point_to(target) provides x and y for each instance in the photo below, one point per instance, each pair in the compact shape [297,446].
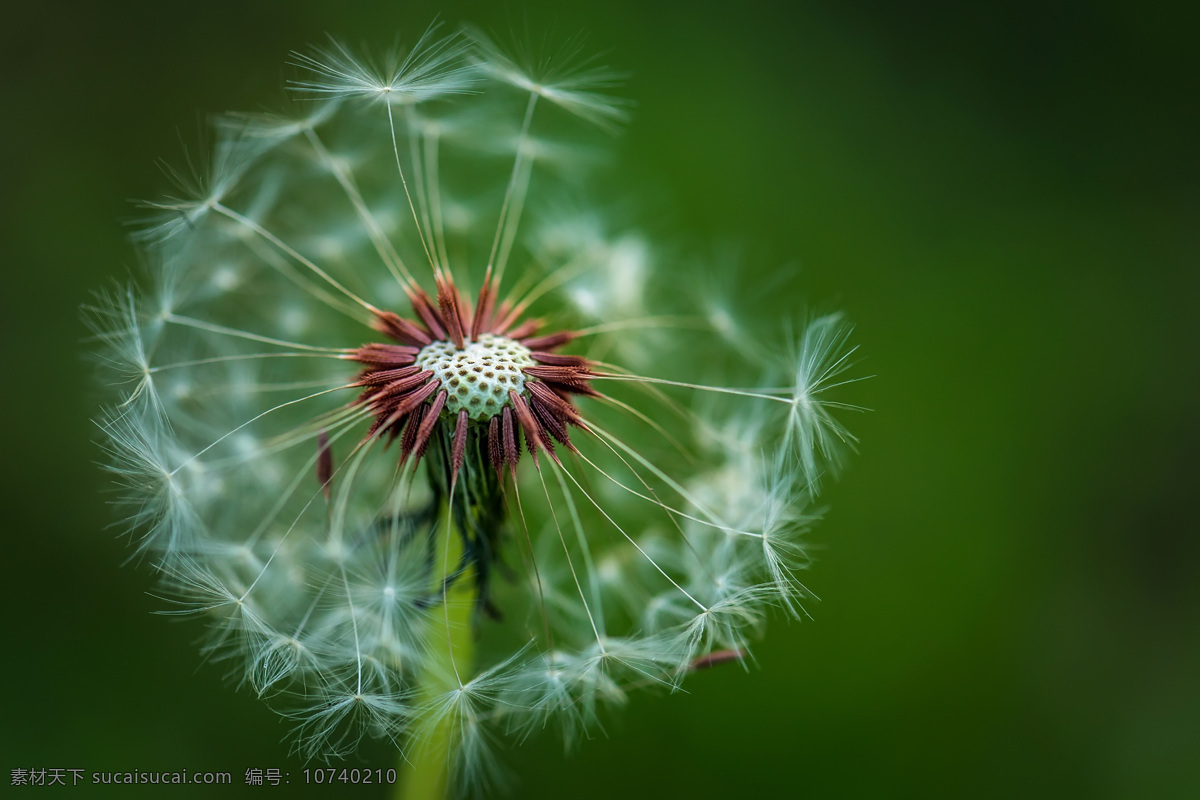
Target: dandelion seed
[421,452]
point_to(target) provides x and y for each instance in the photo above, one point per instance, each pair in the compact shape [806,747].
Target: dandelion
[426,446]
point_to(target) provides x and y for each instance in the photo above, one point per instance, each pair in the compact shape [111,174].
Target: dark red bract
[408,401]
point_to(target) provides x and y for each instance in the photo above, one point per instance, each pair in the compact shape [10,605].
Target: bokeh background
[1002,195]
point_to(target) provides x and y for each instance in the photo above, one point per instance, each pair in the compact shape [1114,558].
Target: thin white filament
[275,240]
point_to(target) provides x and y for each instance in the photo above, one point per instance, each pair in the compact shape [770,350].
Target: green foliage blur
[1002,196]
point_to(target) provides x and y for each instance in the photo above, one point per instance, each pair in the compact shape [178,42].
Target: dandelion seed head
[413,422]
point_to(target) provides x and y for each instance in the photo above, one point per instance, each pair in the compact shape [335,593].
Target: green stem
[425,774]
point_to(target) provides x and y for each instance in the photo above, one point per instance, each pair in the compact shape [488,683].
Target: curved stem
[428,774]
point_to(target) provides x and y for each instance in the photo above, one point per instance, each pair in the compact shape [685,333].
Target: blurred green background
[1003,196]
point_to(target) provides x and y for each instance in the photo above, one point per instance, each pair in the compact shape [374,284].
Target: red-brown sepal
[389,323]
[550,341]
[423,308]
[385,356]
[535,436]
